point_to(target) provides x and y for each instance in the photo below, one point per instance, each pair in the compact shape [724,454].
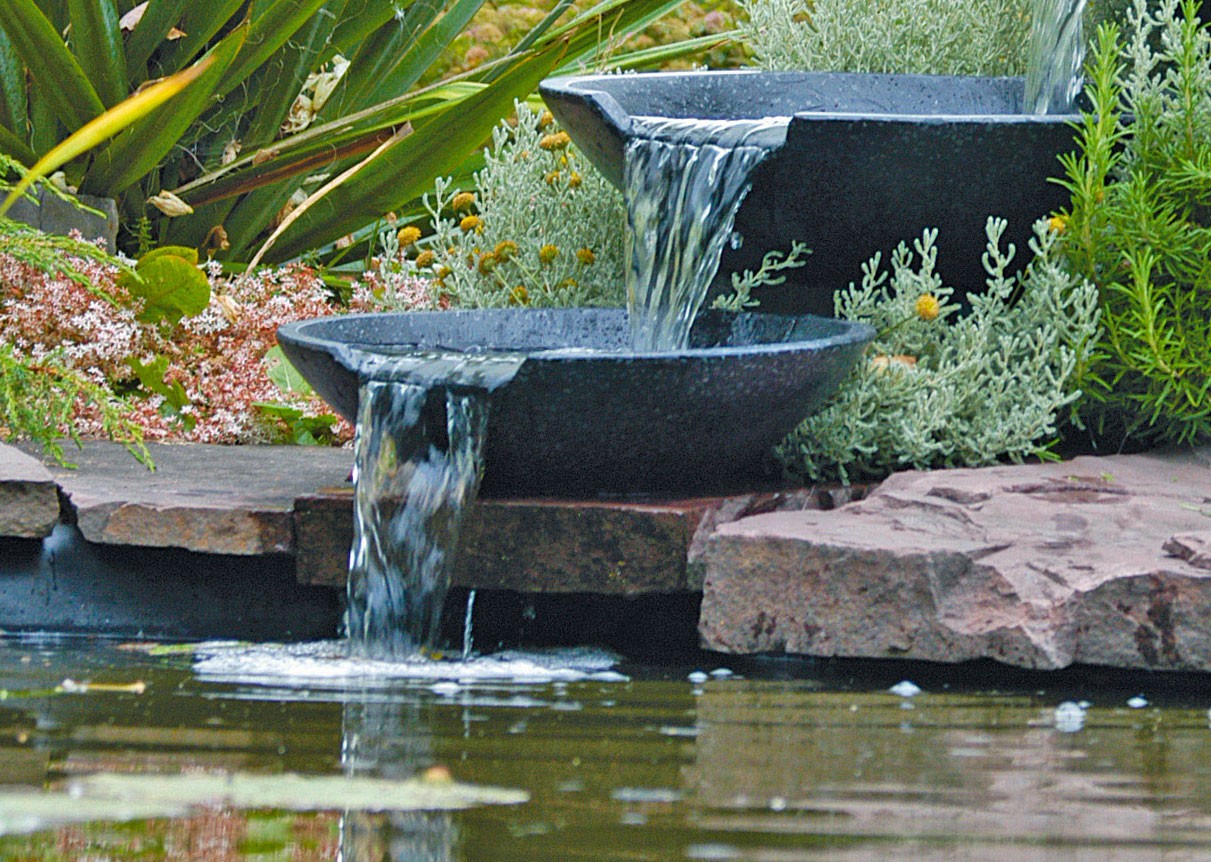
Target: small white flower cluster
[932,392]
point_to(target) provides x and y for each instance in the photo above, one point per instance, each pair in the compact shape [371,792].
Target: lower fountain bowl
[586,415]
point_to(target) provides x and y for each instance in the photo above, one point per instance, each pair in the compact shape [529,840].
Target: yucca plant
[291,95]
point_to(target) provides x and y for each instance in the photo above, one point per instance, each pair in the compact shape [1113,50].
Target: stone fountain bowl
[584,414]
[867,161]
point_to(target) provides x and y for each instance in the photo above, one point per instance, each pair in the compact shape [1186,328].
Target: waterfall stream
[418,459]
[684,181]
[1057,56]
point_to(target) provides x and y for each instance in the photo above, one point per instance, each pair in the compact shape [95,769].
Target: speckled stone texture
[236,500]
[584,414]
[869,161]
[1096,561]
[29,498]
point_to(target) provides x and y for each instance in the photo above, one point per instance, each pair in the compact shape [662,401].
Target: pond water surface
[775,761]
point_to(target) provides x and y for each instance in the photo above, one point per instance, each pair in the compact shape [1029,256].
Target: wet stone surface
[1093,561]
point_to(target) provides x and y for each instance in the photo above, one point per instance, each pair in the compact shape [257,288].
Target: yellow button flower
[928,307]
[556,141]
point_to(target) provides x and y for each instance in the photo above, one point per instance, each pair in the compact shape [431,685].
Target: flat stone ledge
[298,500]
[236,500]
[609,547]
[29,497]
[1094,561]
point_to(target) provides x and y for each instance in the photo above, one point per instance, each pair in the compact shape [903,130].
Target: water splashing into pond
[684,181]
[418,462]
[1057,56]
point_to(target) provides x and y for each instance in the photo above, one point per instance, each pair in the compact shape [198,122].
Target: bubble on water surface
[1069,717]
[905,688]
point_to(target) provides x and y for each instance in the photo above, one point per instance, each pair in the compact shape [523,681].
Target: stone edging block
[1100,561]
[29,496]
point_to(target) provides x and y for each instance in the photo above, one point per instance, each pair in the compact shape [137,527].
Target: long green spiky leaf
[139,149]
[363,17]
[426,49]
[200,22]
[594,34]
[268,32]
[286,73]
[158,19]
[657,56]
[110,123]
[97,43]
[52,66]
[379,55]
[437,146]
[319,145]
[13,146]
[13,106]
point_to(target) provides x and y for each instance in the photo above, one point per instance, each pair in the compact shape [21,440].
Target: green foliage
[769,273]
[942,37]
[293,424]
[53,254]
[169,283]
[1140,225]
[542,227]
[276,109]
[39,397]
[152,377]
[941,390]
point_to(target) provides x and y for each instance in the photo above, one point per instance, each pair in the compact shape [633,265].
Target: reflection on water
[388,739]
[805,765]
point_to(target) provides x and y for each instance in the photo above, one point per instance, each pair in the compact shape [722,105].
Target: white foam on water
[329,664]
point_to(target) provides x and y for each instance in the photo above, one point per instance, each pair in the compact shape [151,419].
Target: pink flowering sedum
[217,356]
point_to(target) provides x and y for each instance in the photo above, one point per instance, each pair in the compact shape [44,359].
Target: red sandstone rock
[29,499]
[1039,566]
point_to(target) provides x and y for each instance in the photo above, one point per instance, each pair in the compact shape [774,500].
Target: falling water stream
[1057,55]
[417,465]
[684,181]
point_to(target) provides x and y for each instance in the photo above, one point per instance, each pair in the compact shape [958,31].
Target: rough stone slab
[616,547]
[1040,566]
[29,498]
[53,215]
[210,499]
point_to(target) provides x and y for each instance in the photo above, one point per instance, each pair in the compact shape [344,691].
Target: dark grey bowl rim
[583,85]
[850,333]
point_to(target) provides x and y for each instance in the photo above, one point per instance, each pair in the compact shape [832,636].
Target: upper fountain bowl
[584,414]
[868,161]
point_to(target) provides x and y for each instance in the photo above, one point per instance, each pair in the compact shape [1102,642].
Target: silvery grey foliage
[544,229]
[939,37]
[937,389]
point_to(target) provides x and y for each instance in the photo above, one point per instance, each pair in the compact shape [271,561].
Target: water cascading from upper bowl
[684,182]
[1057,56]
